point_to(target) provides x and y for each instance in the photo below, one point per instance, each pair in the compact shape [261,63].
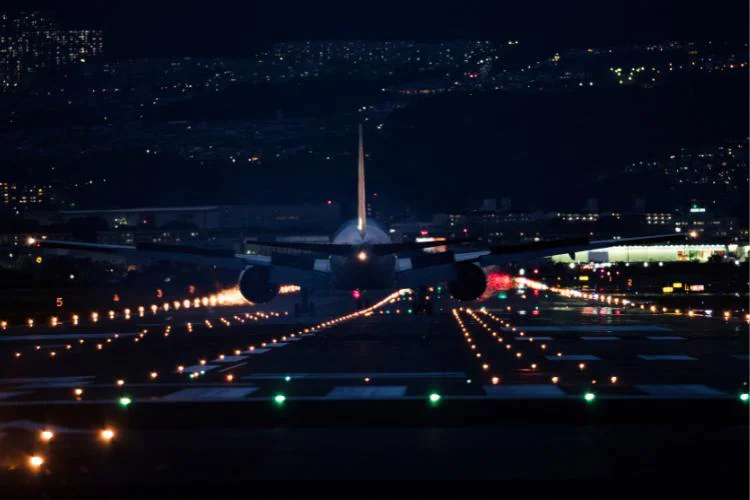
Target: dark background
[201,28]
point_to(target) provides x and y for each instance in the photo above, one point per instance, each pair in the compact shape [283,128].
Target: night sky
[215,28]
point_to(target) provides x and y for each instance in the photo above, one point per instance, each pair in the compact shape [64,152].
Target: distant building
[592,205]
[215,217]
[489,204]
[639,205]
[31,42]
[506,204]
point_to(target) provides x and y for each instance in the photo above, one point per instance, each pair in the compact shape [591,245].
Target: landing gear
[304,307]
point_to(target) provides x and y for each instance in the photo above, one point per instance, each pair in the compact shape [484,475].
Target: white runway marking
[360,376]
[11,394]
[573,357]
[55,383]
[666,357]
[534,338]
[232,367]
[374,392]
[603,337]
[62,336]
[679,390]
[592,328]
[199,368]
[228,359]
[524,391]
[256,351]
[209,393]
[28,380]
[277,344]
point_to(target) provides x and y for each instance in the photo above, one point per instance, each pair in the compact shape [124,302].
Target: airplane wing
[304,270]
[434,268]
[346,249]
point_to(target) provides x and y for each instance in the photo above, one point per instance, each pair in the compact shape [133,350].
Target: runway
[291,397]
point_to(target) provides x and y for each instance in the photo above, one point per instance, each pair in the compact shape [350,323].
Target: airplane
[361,256]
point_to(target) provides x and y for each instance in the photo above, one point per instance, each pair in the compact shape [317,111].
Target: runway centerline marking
[666,357]
[573,357]
[360,376]
[524,391]
[194,393]
[232,367]
[375,392]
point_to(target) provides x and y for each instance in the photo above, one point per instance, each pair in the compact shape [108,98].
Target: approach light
[362,256]
[46,436]
[279,399]
[287,378]
[435,398]
[106,435]
[589,397]
[744,397]
[36,461]
[125,401]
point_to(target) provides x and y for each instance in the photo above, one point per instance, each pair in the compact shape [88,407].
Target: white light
[362,256]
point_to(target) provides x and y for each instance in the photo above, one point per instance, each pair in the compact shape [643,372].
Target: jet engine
[470,282]
[255,285]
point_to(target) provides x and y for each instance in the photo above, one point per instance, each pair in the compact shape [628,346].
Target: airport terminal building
[658,253]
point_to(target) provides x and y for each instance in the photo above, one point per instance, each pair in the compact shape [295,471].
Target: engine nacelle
[255,285]
[470,282]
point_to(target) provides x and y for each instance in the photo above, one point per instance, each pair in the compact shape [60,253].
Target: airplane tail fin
[361,201]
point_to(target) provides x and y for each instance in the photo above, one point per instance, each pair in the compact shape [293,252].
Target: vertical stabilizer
[361,205]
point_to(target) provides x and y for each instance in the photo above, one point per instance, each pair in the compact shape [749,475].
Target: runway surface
[534,387]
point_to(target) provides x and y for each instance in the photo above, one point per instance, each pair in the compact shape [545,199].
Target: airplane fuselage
[362,269]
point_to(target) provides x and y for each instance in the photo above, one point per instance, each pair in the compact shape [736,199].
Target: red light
[356,294]
[423,232]
[466,230]
[329,202]
[536,271]
[535,313]
[536,293]
[499,281]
